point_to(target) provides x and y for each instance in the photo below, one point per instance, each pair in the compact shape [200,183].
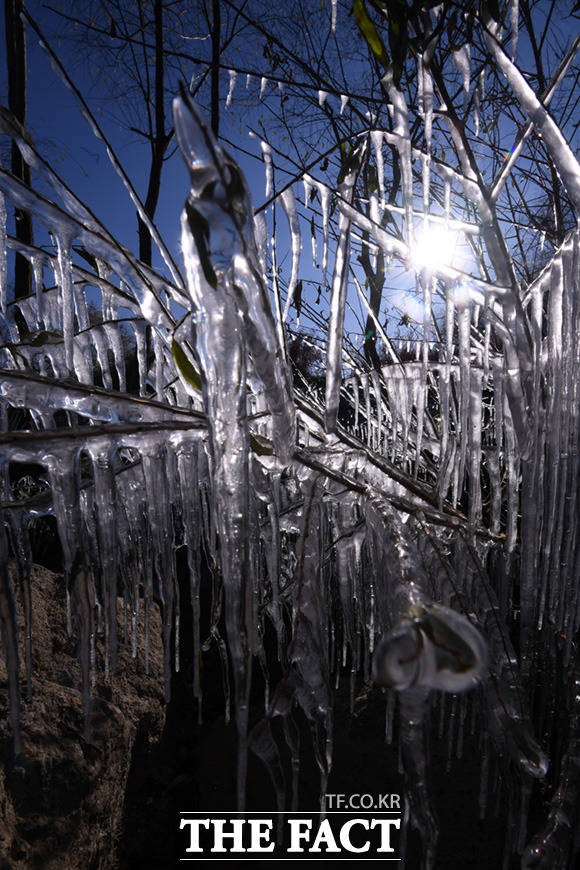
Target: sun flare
[433,248]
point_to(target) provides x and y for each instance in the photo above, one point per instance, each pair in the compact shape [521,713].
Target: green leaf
[41,337]
[200,231]
[261,446]
[184,365]
[369,31]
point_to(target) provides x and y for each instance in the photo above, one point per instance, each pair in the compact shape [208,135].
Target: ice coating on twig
[377,140]
[514,20]
[560,151]
[403,144]
[3,269]
[338,293]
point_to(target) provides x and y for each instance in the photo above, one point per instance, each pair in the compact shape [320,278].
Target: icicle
[141,342]
[462,60]
[403,144]
[377,140]
[356,404]
[343,102]
[463,320]
[514,19]
[307,184]
[266,748]
[413,709]
[420,102]
[116,343]
[233,79]
[447,199]
[248,80]
[66,298]
[187,469]
[475,418]
[333,14]
[263,84]
[379,408]
[426,282]
[322,97]
[38,270]
[375,216]
[267,156]
[476,102]
[427,106]
[512,459]
[324,193]
[428,123]
[106,529]
[289,205]
[158,499]
[261,236]
[313,242]
[159,372]
[338,299]
[3,266]
[65,479]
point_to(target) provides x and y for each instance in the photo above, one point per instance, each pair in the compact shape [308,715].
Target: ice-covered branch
[562,155]
[524,132]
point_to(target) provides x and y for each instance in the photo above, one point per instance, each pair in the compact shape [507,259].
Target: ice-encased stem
[564,159]
[3,266]
[338,297]
[233,318]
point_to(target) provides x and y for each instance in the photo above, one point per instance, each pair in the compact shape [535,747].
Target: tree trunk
[16,69]
[215,69]
[159,141]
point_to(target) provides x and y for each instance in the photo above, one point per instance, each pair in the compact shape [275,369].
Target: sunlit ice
[433,248]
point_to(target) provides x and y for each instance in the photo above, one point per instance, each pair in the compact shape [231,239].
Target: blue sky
[66,140]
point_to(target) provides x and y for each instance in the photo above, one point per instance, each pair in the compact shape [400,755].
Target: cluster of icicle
[130,496]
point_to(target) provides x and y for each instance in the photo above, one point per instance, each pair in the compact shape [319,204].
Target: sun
[433,248]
